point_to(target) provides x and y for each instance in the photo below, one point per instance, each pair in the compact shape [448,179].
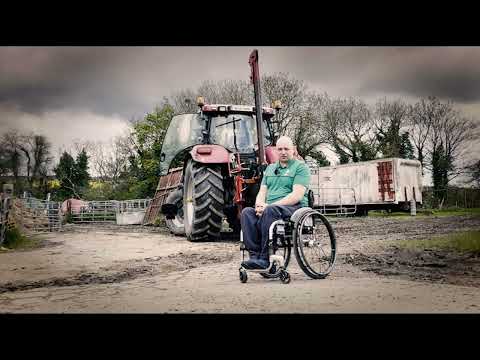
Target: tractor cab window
[237,132]
[183,131]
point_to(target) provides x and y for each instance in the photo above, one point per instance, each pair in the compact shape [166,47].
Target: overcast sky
[81,93]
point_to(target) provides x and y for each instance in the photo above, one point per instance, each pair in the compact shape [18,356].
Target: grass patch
[14,239]
[426,213]
[468,241]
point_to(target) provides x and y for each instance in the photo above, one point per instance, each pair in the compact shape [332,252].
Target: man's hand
[259,208]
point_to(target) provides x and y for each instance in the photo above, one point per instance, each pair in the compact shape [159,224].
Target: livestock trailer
[358,187]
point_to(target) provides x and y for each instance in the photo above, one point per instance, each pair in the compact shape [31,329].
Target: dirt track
[137,269]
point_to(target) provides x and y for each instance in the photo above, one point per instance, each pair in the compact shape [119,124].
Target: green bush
[14,239]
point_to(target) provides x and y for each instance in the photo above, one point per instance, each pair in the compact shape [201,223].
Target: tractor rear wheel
[203,201]
[175,225]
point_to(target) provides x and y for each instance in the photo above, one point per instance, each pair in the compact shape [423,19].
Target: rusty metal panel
[386,190]
[166,184]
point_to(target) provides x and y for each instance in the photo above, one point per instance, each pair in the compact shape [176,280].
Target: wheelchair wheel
[243,276]
[284,277]
[315,245]
[285,253]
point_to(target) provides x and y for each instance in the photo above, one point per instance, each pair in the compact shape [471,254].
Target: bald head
[285,140]
[284,149]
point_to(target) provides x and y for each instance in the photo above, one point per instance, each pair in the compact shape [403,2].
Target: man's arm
[294,197]
[262,195]
[260,200]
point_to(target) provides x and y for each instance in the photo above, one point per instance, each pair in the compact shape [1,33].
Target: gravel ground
[105,269]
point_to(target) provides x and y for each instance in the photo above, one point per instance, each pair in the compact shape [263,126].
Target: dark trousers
[255,229]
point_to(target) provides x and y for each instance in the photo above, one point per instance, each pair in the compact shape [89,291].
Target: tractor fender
[271,154]
[210,154]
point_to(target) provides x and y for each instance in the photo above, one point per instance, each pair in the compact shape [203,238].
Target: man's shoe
[260,263]
[249,264]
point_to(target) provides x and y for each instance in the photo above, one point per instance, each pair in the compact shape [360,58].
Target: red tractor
[224,149]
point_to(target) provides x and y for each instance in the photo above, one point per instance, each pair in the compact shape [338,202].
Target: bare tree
[110,159]
[37,151]
[457,132]
[441,135]
[184,101]
[473,173]
[307,130]
[281,86]
[238,92]
[291,92]
[422,119]
[10,147]
[350,129]
[390,118]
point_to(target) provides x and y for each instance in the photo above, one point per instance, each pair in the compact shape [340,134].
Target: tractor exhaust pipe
[255,78]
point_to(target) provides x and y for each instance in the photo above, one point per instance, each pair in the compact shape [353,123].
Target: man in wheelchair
[283,190]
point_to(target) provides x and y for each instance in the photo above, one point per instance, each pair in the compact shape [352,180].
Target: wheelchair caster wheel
[284,277]
[243,276]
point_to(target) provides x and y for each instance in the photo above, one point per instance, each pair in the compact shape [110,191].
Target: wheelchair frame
[285,234]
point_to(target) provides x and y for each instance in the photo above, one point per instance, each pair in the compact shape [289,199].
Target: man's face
[285,151]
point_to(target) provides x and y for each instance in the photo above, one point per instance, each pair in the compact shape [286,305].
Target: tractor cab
[230,126]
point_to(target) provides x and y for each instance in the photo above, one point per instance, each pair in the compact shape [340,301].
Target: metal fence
[37,215]
[133,205]
[96,212]
[107,211]
[452,197]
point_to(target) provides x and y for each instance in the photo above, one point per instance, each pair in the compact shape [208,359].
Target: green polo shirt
[281,184]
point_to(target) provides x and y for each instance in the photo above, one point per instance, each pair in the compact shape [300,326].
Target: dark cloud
[125,80]
[450,73]
[129,80]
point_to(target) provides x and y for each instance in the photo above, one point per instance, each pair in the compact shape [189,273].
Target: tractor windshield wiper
[229,122]
[233,121]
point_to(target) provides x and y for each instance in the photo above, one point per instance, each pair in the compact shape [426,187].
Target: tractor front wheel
[203,201]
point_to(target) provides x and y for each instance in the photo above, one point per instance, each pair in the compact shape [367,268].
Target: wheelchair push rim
[315,249]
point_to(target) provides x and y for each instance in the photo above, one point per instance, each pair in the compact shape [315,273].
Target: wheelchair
[313,241]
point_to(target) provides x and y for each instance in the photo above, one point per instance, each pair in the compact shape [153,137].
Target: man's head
[285,149]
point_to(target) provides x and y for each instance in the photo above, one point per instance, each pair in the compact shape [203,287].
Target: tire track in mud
[435,266]
[368,245]
[126,270]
